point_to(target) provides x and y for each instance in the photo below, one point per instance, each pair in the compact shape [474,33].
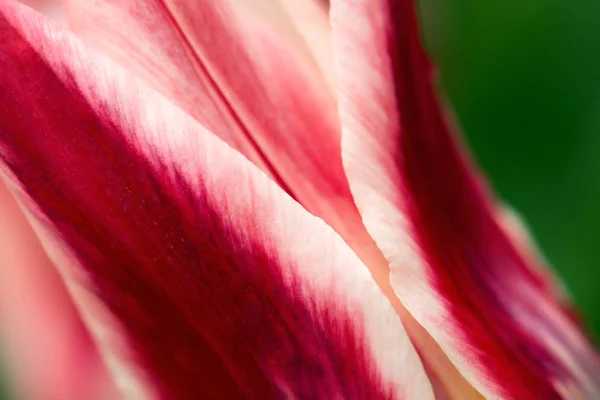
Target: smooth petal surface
[43,339]
[223,286]
[311,19]
[53,9]
[452,265]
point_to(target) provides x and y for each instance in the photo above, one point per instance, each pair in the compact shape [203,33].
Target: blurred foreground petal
[53,9]
[49,352]
[222,285]
[452,265]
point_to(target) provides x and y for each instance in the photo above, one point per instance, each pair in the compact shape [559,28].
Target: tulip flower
[261,199]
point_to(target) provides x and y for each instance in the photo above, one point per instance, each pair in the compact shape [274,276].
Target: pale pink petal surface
[53,9]
[452,265]
[311,19]
[43,339]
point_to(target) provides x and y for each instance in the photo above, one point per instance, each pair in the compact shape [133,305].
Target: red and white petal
[222,285]
[44,340]
[518,233]
[452,265]
[240,69]
[250,83]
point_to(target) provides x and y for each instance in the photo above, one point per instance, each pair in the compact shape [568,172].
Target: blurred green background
[524,79]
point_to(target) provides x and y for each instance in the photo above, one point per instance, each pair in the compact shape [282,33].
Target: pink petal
[45,342]
[452,265]
[223,286]
[51,8]
[311,19]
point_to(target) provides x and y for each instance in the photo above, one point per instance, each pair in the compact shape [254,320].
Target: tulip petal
[247,81]
[223,286]
[33,299]
[53,9]
[452,265]
[311,19]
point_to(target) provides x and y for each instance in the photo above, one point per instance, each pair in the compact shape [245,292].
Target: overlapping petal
[53,9]
[452,265]
[242,70]
[250,82]
[44,340]
[311,19]
[222,285]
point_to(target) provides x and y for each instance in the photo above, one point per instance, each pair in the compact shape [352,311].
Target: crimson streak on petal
[466,283]
[471,257]
[194,257]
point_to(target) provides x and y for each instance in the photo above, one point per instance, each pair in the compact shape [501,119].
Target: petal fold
[241,70]
[222,285]
[452,265]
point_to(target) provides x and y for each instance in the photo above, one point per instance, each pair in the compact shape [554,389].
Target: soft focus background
[524,79]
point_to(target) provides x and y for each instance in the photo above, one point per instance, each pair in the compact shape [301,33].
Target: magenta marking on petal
[475,266]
